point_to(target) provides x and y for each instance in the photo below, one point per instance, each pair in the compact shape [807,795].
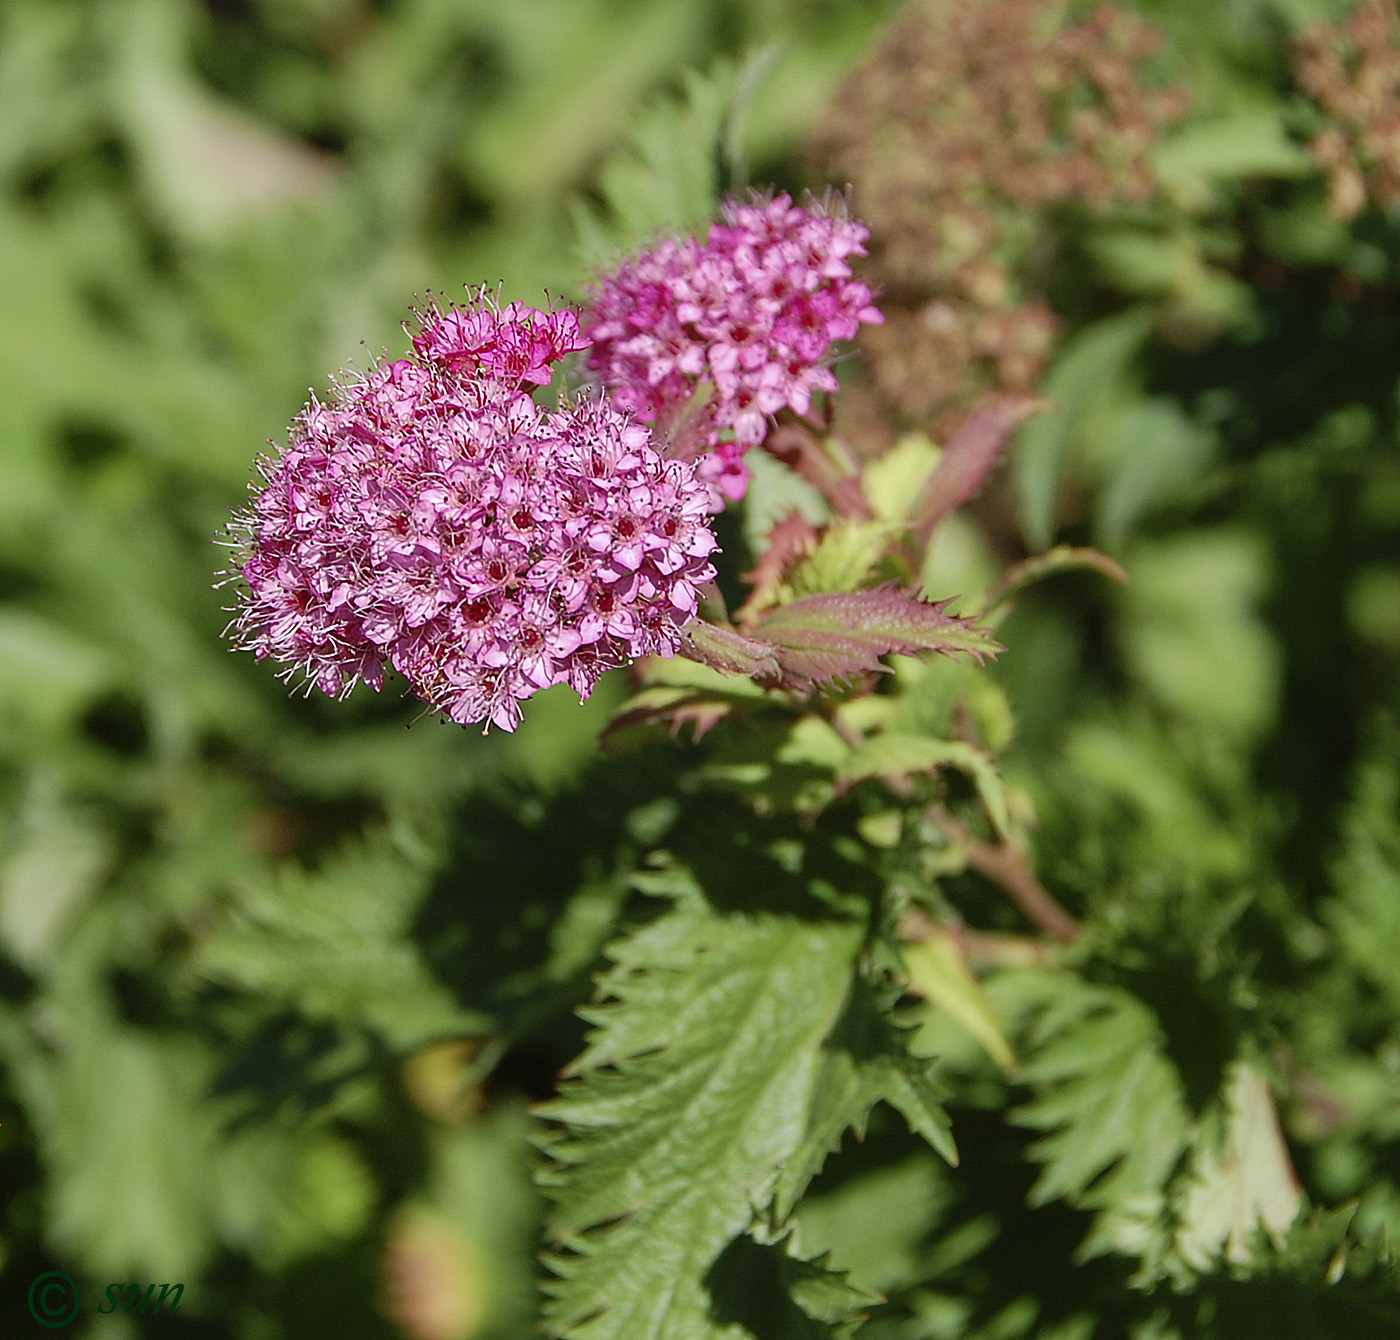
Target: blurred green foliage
[229,916]
[281,977]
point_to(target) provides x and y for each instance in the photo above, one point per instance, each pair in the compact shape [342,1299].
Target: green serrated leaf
[333,943]
[692,1094]
[666,178]
[893,754]
[1240,1180]
[875,1223]
[846,556]
[581,67]
[865,1061]
[776,490]
[1114,1110]
[1322,1281]
[766,1289]
[1325,1244]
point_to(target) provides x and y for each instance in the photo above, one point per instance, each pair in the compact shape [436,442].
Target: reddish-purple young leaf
[791,539]
[664,706]
[823,638]
[968,459]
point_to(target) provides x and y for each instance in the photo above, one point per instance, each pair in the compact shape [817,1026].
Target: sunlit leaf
[938,971]
[843,558]
[1241,1179]
[892,482]
[692,1093]
[895,755]
[828,637]
[865,1061]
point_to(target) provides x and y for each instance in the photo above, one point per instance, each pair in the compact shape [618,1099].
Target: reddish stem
[799,448]
[1008,866]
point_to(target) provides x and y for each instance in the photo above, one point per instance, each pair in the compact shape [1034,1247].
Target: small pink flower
[433,518]
[754,311]
[515,345]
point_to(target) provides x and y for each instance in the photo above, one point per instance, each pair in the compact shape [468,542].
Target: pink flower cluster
[753,311]
[435,519]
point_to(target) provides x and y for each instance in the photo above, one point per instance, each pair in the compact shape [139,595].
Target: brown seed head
[970,123]
[1351,70]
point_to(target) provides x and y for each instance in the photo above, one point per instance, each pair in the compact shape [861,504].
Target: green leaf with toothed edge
[844,557]
[893,481]
[693,1093]
[769,1289]
[1240,1182]
[895,754]
[865,1061]
[330,943]
[1112,1108]
[665,176]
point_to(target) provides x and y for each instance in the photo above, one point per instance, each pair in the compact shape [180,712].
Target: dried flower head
[750,315]
[433,518]
[1352,71]
[968,125]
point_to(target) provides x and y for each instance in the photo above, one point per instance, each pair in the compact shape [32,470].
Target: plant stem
[795,444]
[991,948]
[1007,865]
